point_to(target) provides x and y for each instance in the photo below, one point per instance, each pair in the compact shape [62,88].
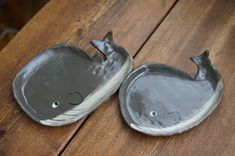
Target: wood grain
[75,22]
[190,28]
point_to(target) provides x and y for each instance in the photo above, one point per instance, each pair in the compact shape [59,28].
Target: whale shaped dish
[63,84]
[158,99]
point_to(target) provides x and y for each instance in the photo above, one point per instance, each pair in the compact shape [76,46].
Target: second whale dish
[158,99]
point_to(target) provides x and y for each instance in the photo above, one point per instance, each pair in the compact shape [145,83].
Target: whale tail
[203,64]
[201,59]
[104,45]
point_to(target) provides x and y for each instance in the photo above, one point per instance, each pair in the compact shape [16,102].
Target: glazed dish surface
[158,99]
[63,83]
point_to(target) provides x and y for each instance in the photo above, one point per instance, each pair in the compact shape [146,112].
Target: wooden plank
[75,22]
[190,28]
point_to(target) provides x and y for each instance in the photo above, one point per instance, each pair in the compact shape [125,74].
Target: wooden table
[163,31]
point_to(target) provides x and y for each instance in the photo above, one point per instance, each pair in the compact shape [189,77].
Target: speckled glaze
[158,99]
[63,84]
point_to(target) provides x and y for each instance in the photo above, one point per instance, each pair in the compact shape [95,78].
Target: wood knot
[79,32]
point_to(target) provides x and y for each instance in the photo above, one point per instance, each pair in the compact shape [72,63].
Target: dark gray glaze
[63,83]
[158,99]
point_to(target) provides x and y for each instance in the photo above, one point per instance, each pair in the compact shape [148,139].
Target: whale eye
[153,113]
[55,104]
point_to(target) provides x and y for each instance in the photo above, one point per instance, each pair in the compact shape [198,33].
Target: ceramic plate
[158,99]
[63,84]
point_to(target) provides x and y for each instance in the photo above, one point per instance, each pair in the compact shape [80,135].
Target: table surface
[163,31]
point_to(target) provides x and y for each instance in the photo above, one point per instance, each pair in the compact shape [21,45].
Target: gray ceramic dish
[63,84]
[158,99]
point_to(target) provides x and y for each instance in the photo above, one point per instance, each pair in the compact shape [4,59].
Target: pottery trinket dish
[63,84]
[158,99]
